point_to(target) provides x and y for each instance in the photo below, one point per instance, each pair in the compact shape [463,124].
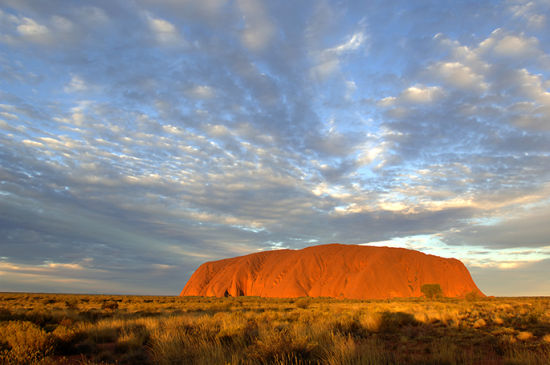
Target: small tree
[431,290]
[472,296]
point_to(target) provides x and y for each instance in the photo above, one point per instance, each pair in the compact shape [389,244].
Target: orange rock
[333,270]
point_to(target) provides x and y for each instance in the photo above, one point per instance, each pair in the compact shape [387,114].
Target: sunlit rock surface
[333,270]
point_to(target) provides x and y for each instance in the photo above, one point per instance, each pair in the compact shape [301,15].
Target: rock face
[334,270]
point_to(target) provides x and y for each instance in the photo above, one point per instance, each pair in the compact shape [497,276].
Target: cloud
[458,75]
[76,84]
[328,60]
[258,27]
[32,143]
[201,92]
[44,31]
[20,27]
[331,45]
[9,116]
[164,31]
[530,12]
[509,45]
[354,42]
[525,230]
[514,46]
[198,10]
[526,280]
[33,31]
[420,94]
[275,125]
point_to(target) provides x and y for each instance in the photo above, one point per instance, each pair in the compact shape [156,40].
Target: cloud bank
[138,140]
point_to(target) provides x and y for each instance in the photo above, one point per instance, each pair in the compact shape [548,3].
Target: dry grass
[88,329]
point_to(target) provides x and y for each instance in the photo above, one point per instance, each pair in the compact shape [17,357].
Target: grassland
[97,329]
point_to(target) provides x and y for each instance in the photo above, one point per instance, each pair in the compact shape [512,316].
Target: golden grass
[90,329]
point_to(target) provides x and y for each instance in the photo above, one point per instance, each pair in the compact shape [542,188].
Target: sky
[140,139]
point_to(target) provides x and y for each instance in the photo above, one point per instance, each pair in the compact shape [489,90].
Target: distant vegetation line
[115,329]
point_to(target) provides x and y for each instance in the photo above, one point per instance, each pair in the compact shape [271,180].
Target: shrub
[65,337]
[391,322]
[109,305]
[24,343]
[480,323]
[71,303]
[5,314]
[303,303]
[523,336]
[431,290]
[472,296]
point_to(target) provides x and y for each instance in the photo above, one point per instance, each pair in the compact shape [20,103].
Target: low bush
[24,342]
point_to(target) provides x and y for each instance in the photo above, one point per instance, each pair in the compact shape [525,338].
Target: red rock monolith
[333,270]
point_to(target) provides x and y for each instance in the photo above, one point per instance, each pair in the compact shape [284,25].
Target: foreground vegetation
[96,329]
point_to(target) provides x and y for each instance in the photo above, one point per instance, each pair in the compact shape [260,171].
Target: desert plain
[111,329]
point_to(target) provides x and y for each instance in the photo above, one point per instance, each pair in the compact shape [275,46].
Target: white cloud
[458,75]
[78,115]
[164,31]
[172,129]
[351,87]
[7,115]
[534,112]
[417,94]
[259,30]
[32,143]
[61,144]
[514,46]
[393,206]
[532,86]
[352,44]
[529,12]
[76,84]
[54,30]
[421,94]
[327,61]
[32,31]
[56,265]
[47,267]
[499,66]
[218,130]
[370,154]
[387,101]
[201,92]
[508,265]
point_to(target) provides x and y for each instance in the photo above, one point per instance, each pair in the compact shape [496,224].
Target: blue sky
[139,139]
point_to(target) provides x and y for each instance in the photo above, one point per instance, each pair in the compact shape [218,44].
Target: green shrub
[431,291]
[472,296]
